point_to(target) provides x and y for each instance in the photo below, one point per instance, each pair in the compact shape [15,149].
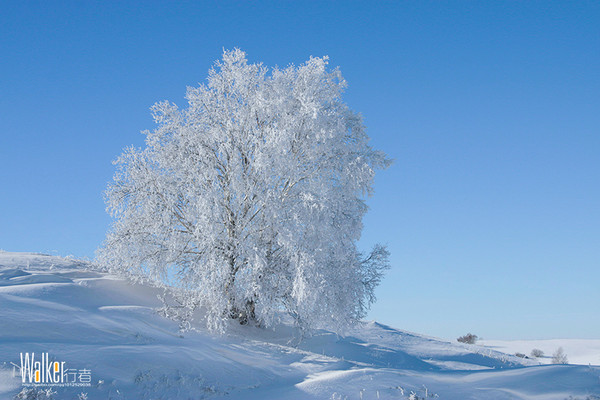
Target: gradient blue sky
[491,111]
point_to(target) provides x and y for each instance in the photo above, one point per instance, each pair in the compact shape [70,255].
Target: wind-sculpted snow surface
[107,327]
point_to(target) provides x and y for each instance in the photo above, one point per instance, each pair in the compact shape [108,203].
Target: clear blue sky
[491,111]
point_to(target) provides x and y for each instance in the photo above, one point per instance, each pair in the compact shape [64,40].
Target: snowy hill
[107,328]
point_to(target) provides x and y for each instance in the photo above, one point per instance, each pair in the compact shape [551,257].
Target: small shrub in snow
[468,338]
[559,357]
[35,394]
[337,396]
[537,353]
[414,396]
[520,355]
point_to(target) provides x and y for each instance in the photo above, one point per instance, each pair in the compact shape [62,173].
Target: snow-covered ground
[578,351]
[100,323]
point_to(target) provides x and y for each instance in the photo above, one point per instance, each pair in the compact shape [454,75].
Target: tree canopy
[249,201]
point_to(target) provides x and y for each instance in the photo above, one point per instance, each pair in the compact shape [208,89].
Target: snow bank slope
[101,323]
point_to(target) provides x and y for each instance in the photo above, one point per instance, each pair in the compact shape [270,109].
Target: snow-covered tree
[537,353]
[249,201]
[559,357]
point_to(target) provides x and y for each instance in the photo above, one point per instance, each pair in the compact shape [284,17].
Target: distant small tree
[468,338]
[537,353]
[559,357]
